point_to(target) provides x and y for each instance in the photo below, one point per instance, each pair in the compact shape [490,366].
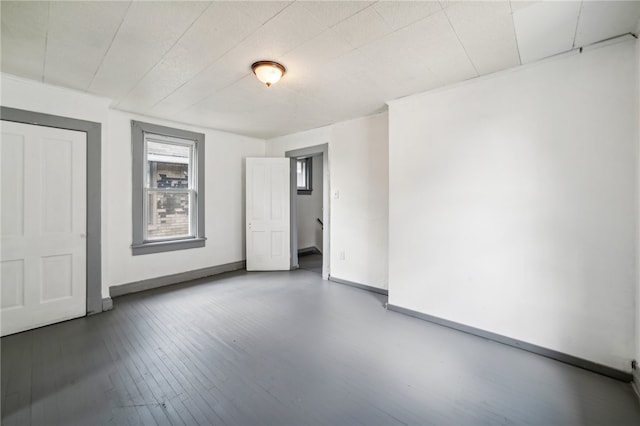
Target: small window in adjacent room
[168,189]
[303,169]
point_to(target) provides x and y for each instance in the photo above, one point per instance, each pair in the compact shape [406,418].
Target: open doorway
[309,209]
[309,212]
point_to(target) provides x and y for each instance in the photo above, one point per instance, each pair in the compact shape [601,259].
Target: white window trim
[140,133]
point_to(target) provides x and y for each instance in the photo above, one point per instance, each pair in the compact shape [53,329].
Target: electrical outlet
[342,255]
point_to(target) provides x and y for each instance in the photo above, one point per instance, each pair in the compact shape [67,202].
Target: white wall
[309,209]
[224,209]
[513,203]
[358,171]
[224,184]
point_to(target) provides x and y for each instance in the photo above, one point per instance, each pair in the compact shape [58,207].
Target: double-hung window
[168,193]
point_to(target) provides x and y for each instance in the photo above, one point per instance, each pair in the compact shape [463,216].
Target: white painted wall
[309,209]
[224,184]
[358,171]
[513,203]
[224,197]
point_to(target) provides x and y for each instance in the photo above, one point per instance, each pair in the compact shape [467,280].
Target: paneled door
[268,227]
[42,240]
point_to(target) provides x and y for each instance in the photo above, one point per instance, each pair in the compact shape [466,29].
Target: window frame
[305,190]
[139,133]
[191,190]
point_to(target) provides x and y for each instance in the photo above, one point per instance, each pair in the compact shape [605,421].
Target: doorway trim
[294,154]
[93,131]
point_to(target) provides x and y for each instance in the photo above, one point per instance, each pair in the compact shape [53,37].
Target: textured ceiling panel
[78,38]
[487,34]
[399,14]
[306,65]
[148,31]
[520,4]
[190,61]
[546,29]
[409,71]
[211,80]
[287,30]
[24,37]
[208,39]
[600,20]
[261,11]
[434,41]
[332,12]
[363,27]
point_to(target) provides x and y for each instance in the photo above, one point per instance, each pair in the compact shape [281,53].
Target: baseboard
[309,250]
[107,304]
[539,350]
[137,286]
[360,286]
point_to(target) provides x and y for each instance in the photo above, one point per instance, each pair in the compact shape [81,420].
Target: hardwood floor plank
[286,348]
[16,372]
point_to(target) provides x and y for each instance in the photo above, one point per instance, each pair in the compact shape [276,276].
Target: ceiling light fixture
[268,72]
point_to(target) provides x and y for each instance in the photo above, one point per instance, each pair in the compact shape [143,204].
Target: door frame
[93,131]
[294,154]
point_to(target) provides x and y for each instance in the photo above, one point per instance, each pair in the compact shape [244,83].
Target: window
[168,189]
[303,169]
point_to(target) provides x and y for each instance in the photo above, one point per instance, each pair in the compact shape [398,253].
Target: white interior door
[43,242]
[268,227]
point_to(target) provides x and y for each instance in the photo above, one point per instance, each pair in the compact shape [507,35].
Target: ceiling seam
[515,34]
[461,43]
[387,24]
[164,54]
[199,101]
[393,31]
[330,27]
[115,34]
[354,13]
[575,32]
[380,16]
[46,41]
[216,60]
[420,19]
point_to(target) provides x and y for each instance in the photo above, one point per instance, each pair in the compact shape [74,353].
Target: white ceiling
[190,61]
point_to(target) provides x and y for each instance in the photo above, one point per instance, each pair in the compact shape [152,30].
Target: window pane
[168,214]
[167,165]
[302,173]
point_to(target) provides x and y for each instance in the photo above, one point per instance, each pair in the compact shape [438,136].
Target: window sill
[163,246]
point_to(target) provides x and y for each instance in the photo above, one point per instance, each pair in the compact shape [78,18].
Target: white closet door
[268,227]
[43,231]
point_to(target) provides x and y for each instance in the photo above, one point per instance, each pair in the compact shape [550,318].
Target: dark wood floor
[286,349]
[310,262]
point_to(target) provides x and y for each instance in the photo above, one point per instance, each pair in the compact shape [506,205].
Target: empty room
[320,212]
